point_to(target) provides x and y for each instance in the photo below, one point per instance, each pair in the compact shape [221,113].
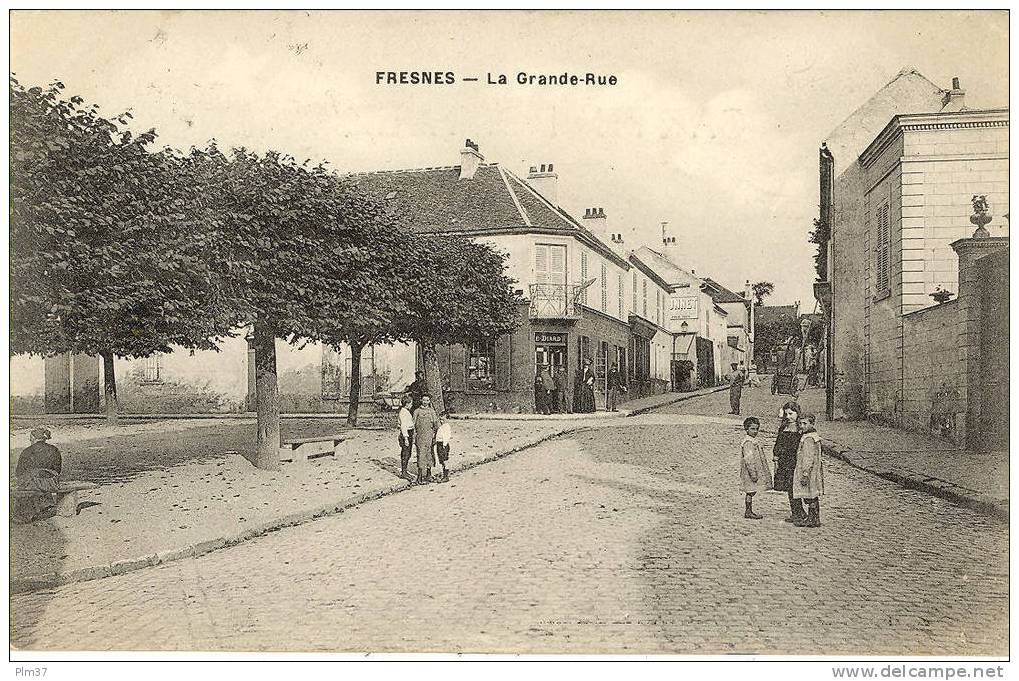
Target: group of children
[423,429]
[798,466]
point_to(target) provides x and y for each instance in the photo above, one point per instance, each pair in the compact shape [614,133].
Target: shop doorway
[550,349]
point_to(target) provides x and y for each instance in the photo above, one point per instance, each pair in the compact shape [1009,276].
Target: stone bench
[302,449]
[67,495]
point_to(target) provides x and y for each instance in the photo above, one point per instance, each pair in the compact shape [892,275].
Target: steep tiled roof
[720,294]
[666,269]
[436,200]
[765,314]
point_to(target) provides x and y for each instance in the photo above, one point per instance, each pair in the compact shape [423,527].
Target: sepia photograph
[447,335]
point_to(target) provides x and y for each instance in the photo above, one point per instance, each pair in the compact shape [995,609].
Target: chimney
[470,159]
[669,246]
[595,220]
[955,99]
[544,181]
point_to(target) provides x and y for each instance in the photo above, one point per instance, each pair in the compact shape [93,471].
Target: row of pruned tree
[121,250]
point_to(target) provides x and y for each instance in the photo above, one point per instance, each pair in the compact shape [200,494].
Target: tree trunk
[267,400]
[355,383]
[433,379]
[110,387]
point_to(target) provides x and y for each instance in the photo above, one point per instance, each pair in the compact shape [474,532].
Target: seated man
[38,470]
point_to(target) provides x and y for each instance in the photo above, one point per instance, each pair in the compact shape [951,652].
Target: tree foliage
[762,290]
[458,293]
[107,255]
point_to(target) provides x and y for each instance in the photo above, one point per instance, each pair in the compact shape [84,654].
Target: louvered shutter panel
[604,289]
[619,288]
[883,241]
[633,307]
[583,276]
[503,361]
[541,264]
[557,264]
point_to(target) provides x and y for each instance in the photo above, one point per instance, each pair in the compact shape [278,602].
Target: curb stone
[51,580]
[681,398]
[928,485]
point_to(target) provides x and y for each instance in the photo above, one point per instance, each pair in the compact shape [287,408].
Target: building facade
[893,217]
[586,296]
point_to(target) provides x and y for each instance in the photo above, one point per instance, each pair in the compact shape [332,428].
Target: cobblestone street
[625,538]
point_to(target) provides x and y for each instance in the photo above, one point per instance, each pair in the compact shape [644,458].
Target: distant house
[739,347]
[899,182]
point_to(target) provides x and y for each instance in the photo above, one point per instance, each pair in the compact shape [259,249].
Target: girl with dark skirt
[786,444]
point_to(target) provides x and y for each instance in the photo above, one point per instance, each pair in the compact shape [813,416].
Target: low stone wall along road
[627,537]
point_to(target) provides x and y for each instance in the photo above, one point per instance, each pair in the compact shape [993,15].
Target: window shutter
[583,276]
[457,368]
[619,288]
[633,307]
[883,243]
[604,289]
[541,264]
[503,361]
[557,264]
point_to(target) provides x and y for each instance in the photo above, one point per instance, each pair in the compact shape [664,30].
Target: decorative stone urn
[981,216]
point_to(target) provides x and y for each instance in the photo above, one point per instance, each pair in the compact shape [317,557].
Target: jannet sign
[684,308]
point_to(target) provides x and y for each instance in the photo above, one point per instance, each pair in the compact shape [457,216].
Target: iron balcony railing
[554,301]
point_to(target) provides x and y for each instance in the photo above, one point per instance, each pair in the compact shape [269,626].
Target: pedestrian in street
[443,441]
[584,397]
[416,390]
[406,438]
[564,400]
[614,387]
[786,444]
[808,478]
[754,472]
[426,424]
[548,387]
[539,393]
[38,470]
[736,389]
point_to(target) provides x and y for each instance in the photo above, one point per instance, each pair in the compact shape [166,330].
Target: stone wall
[930,362]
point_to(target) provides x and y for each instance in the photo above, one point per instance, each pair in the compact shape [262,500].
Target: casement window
[604,288]
[478,367]
[550,264]
[153,368]
[550,275]
[619,288]
[882,265]
[481,366]
[583,276]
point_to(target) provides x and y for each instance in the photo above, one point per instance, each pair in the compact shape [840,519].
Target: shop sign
[550,338]
[684,308]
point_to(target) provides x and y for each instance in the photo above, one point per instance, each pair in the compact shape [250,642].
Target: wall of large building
[942,169]
[882,308]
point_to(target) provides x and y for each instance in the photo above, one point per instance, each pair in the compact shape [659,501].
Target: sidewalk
[630,408]
[206,500]
[932,465]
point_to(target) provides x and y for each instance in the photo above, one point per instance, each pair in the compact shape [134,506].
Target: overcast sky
[714,125]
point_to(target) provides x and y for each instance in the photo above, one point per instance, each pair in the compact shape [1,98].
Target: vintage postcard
[532,332]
